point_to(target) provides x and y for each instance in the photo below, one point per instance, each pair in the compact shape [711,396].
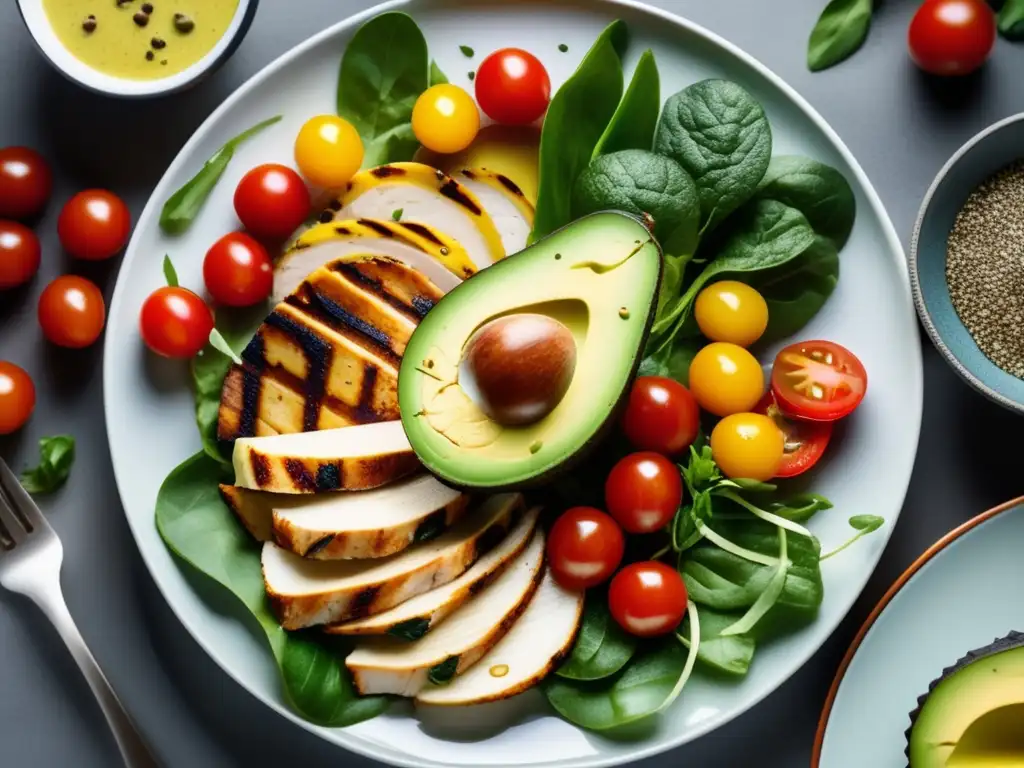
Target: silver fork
[30,560]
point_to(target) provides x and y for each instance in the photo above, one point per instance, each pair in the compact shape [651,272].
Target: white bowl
[78,71]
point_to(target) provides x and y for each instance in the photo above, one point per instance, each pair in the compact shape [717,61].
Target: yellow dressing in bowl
[140,39]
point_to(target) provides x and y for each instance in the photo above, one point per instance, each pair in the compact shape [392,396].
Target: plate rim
[889,235]
[897,586]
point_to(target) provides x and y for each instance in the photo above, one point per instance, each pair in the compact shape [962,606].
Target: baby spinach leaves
[602,648]
[840,31]
[720,135]
[730,655]
[633,124]
[56,455]
[197,526]
[574,124]
[183,206]
[1011,20]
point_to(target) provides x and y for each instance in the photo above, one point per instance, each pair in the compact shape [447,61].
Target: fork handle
[133,747]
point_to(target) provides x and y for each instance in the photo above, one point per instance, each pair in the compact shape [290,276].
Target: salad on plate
[482,389]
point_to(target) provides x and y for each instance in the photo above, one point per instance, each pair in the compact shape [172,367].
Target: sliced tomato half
[805,441]
[818,381]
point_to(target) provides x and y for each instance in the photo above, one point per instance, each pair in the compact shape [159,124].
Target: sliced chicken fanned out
[347,459]
[358,524]
[534,646]
[388,665]
[419,194]
[414,618]
[328,355]
[436,257]
[504,200]
[305,593]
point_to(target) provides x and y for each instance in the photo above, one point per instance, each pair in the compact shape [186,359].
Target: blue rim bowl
[993,148]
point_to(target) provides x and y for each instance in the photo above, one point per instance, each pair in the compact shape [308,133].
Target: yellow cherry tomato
[726,379]
[731,311]
[445,119]
[747,445]
[328,151]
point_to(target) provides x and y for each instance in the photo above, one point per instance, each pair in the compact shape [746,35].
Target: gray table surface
[899,124]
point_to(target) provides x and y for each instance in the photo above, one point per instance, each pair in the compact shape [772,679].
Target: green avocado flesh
[599,277]
[973,716]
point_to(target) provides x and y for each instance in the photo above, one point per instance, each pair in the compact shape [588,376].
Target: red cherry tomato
[25,182]
[661,415]
[585,547]
[72,312]
[647,599]
[513,87]
[805,441]
[272,201]
[951,37]
[19,254]
[17,397]
[643,492]
[175,322]
[94,225]
[818,381]
[237,271]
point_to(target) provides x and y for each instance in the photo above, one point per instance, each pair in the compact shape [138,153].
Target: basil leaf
[602,647]
[633,124]
[196,526]
[56,455]
[840,31]
[170,274]
[575,122]
[183,206]
[1011,20]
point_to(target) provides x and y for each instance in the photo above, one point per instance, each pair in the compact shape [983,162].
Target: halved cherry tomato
[237,271]
[19,254]
[804,442]
[72,312]
[25,182]
[725,378]
[818,381]
[445,119]
[94,225]
[643,492]
[661,415]
[747,445]
[175,322]
[513,87]
[585,547]
[647,599]
[951,37]
[272,201]
[17,397]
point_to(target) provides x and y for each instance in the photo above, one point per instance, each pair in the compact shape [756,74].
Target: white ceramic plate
[149,408]
[961,594]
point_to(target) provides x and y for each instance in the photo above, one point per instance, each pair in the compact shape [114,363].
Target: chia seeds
[985,267]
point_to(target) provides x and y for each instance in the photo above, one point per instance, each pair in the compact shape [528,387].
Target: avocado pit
[517,368]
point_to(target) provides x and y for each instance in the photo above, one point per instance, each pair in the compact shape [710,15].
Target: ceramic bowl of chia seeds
[967,262]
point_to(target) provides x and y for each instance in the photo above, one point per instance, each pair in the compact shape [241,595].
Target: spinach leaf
[196,525]
[638,691]
[633,124]
[725,582]
[56,455]
[437,77]
[183,206]
[210,367]
[796,290]
[1011,20]
[720,135]
[384,70]
[730,655]
[602,647]
[640,182]
[820,192]
[839,32]
[575,122]
[673,360]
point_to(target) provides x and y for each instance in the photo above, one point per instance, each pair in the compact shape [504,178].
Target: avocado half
[973,714]
[599,277]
